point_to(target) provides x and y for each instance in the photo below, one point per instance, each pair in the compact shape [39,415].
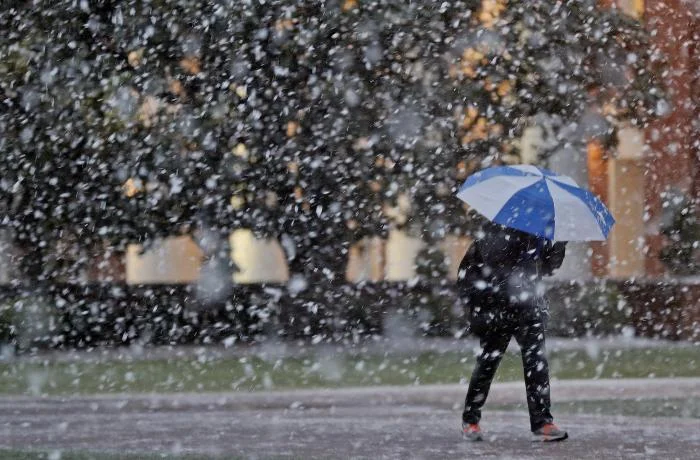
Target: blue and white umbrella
[537,201]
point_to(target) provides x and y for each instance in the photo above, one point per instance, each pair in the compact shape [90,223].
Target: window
[634,8]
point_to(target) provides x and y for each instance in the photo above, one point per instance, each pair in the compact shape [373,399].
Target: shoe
[471,432]
[549,433]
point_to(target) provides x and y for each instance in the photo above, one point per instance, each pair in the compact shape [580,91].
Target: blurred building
[640,179]
[179,260]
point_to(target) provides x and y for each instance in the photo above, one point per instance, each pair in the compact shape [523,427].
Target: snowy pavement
[380,345]
[374,422]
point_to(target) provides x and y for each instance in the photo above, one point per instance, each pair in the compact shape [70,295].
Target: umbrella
[537,201]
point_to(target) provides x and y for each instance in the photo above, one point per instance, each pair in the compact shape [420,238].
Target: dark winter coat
[504,268]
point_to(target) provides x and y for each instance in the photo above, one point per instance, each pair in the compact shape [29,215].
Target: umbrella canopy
[537,201]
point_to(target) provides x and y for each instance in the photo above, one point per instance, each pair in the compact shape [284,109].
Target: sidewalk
[420,422]
[280,349]
[439,396]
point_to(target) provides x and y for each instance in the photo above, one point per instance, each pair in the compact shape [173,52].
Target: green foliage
[27,322]
[431,264]
[682,254]
[311,120]
[7,323]
[581,309]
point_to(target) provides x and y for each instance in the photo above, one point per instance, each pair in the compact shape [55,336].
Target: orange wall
[598,183]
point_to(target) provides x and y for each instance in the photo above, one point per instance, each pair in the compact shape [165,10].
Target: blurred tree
[316,122]
[58,186]
[515,64]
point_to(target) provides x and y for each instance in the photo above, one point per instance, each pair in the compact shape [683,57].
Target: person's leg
[530,335]
[492,348]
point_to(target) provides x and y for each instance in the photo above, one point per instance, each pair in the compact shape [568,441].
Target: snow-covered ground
[374,422]
[281,349]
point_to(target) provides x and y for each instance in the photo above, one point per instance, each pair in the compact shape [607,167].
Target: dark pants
[527,325]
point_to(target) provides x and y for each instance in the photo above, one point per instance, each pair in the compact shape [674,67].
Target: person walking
[531,214]
[499,279]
